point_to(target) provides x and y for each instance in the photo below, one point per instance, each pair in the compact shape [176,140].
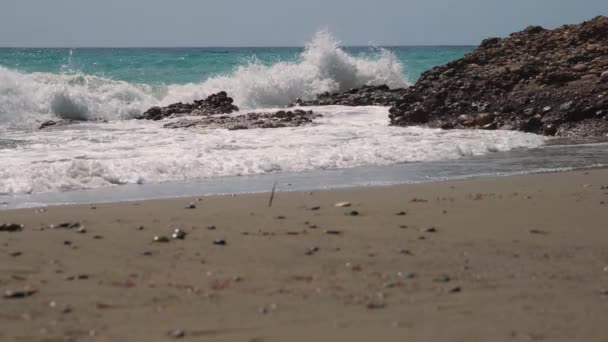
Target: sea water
[104,89]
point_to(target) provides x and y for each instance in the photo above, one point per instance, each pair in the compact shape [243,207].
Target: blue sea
[102,90]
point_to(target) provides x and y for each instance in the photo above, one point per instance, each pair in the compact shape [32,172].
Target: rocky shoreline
[551,82]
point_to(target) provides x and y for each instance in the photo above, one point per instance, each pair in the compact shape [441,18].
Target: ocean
[104,89]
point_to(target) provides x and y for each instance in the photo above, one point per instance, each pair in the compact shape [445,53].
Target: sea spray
[26,99]
[322,67]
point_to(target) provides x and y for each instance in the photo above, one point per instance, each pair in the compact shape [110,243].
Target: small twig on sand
[274,186]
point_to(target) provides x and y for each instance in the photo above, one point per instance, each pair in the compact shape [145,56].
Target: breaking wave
[323,66]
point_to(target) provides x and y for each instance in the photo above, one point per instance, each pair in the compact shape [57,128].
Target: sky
[176,23]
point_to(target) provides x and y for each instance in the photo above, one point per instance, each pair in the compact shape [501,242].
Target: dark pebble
[333,232]
[11,227]
[315,208]
[220,242]
[312,250]
[401,213]
[456,290]
[352,213]
[430,230]
[18,294]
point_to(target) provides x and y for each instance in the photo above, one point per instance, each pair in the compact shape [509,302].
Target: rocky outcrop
[218,103]
[251,120]
[552,82]
[363,96]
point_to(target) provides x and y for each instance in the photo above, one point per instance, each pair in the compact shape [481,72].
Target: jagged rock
[251,120]
[552,82]
[363,96]
[218,103]
[47,124]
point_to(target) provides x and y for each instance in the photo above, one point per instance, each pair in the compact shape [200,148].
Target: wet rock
[218,103]
[551,82]
[11,227]
[278,119]
[364,96]
[46,124]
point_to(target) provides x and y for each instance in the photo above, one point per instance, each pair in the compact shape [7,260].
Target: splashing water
[27,99]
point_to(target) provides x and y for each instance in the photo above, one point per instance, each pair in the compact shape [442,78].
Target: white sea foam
[322,67]
[28,99]
[93,155]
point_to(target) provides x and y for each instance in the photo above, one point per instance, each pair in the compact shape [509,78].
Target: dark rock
[9,294]
[279,119]
[218,103]
[364,96]
[47,124]
[220,242]
[552,82]
[11,227]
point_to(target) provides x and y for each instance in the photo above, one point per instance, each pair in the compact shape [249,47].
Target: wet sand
[520,258]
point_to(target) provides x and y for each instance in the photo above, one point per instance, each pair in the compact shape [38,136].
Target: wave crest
[323,66]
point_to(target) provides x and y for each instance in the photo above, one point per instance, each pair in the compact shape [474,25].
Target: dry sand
[507,259]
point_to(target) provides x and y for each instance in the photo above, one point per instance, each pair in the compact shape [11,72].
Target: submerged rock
[251,120]
[552,82]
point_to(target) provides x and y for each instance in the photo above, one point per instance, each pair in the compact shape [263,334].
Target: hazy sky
[73,23]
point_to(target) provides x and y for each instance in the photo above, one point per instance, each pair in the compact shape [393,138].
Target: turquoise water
[195,65]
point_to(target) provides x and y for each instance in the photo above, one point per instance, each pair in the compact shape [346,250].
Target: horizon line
[231,47]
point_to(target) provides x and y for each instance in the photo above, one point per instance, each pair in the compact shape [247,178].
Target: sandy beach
[521,258]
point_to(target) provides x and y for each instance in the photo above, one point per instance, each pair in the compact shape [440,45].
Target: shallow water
[521,161]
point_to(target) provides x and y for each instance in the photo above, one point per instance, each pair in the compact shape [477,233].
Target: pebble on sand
[11,227]
[178,234]
[342,205]
[11,294]
[159,238]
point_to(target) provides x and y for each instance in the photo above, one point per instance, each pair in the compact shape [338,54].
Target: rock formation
[552,82]
[218,103]
[363,96]
[251,120]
